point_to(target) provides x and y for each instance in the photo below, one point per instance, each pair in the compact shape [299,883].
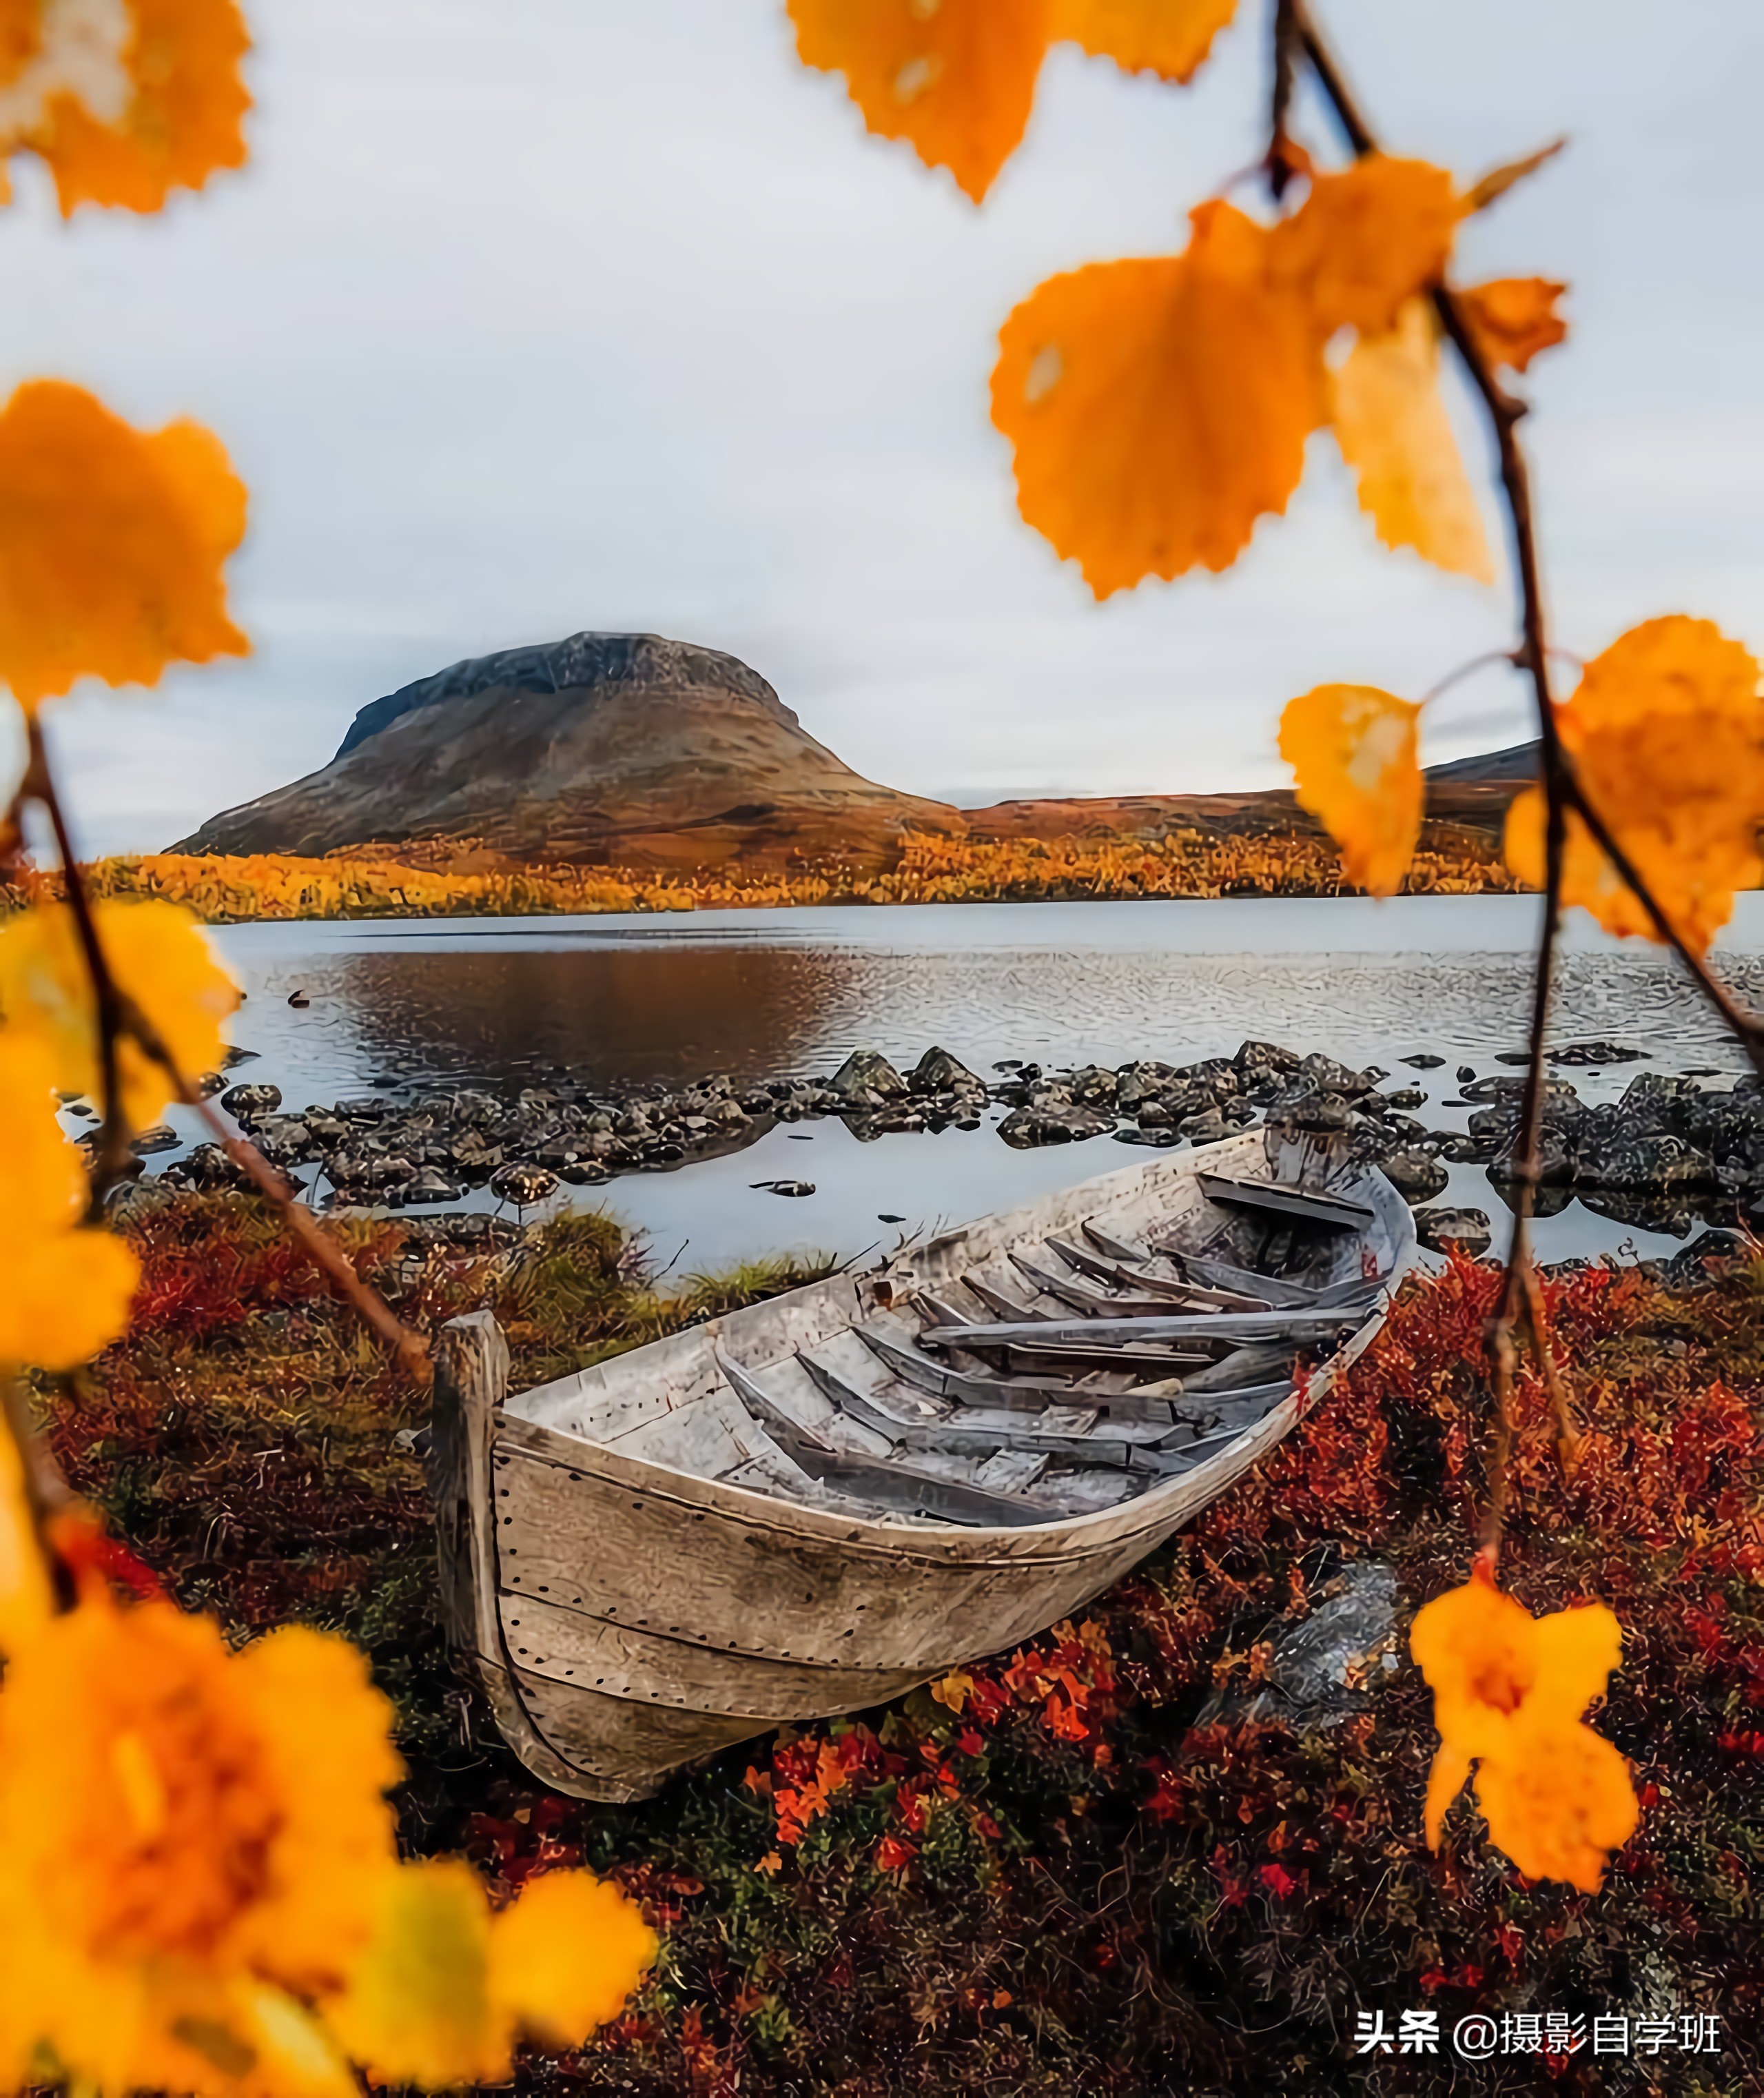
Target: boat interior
[1037,1368]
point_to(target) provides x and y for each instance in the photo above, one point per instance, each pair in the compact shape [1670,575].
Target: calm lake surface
[762,994]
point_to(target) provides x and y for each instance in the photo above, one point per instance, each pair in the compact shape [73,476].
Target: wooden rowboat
[815,1503]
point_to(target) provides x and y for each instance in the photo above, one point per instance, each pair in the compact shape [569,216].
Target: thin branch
[113,1156]
[324,1251]
[1512,656]
[1282,161]
[119,1018]
[1505,412]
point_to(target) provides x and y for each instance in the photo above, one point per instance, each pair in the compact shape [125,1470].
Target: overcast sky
[534,315]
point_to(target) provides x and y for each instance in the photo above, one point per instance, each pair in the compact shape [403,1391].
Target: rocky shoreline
[1667,1152]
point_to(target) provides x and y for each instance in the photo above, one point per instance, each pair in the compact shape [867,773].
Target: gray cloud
[565,312]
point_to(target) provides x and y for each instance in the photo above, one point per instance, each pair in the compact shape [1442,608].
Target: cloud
[576,313]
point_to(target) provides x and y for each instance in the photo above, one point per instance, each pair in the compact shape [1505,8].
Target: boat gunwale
[936,1542]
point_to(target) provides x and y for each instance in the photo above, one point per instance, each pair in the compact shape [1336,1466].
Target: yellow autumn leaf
[177,1838]
[159,954]
[444,1990]
[1168,37]
[1667,734]
[26,1598]
[1353,751]
[954,78]
[1158,407]
[1512,319]
[130,100]
[1366,240]
[1391,421]
[1508,1693]
[563,1957]
[66,1287]
[112,544]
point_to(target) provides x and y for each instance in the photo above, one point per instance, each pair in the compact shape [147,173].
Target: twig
[120,1018]
[1282,161]
[1505,411]
[112,1159]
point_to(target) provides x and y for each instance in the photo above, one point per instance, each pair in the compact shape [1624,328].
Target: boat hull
[629,1619]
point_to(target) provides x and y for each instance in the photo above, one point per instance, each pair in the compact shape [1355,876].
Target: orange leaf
[1558,1802]
[1168,37]
[1160,406]
[1666,733]
[954,78]
[953,1690]
[1368,239]
[1508,1692]
[1353,751]
[1512,318]
[1391,421]
[111,545]
[177,121]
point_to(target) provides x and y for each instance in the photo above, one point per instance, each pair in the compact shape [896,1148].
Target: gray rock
[784,1187]
[1318,1668]
[1416,1175]
[1141,1081]
[1266,1055]
[1028,1127]
[867,1078]
[1424,1062]
[1327,1076]
[159,1136]
[1642,1164]
[246,1103]
[1465,1228]
[522,1185]
[1209,1127]
[1405,1096]
[1594,1053]
[432,1186]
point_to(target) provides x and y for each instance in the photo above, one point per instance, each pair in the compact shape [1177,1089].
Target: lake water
[762,994]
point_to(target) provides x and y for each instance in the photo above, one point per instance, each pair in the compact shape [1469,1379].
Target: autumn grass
[1454,861]
[1099,1875]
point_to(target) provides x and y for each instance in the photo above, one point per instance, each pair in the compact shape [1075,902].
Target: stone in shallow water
[865,1072]
[1424,1062]
[243,1102]
[1416,1175]
[784,1187]
[1594,1052]
[1030,1126]
[938,1072]
[1443,1227]
[523,1185]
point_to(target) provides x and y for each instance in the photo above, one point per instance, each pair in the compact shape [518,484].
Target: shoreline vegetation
[439,879]
[1125,1858]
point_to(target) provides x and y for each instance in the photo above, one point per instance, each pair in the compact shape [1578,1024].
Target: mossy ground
[1069,1884]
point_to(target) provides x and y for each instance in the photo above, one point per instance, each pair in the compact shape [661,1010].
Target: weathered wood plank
[591,1653]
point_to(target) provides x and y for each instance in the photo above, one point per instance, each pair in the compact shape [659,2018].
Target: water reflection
[762,994]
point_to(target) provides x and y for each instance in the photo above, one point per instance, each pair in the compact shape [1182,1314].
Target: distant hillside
[621,748]
[633,751]
[1518,762]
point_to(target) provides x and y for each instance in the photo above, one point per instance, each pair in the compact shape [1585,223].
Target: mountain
[630,750]
[1518,763]
[621,748]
